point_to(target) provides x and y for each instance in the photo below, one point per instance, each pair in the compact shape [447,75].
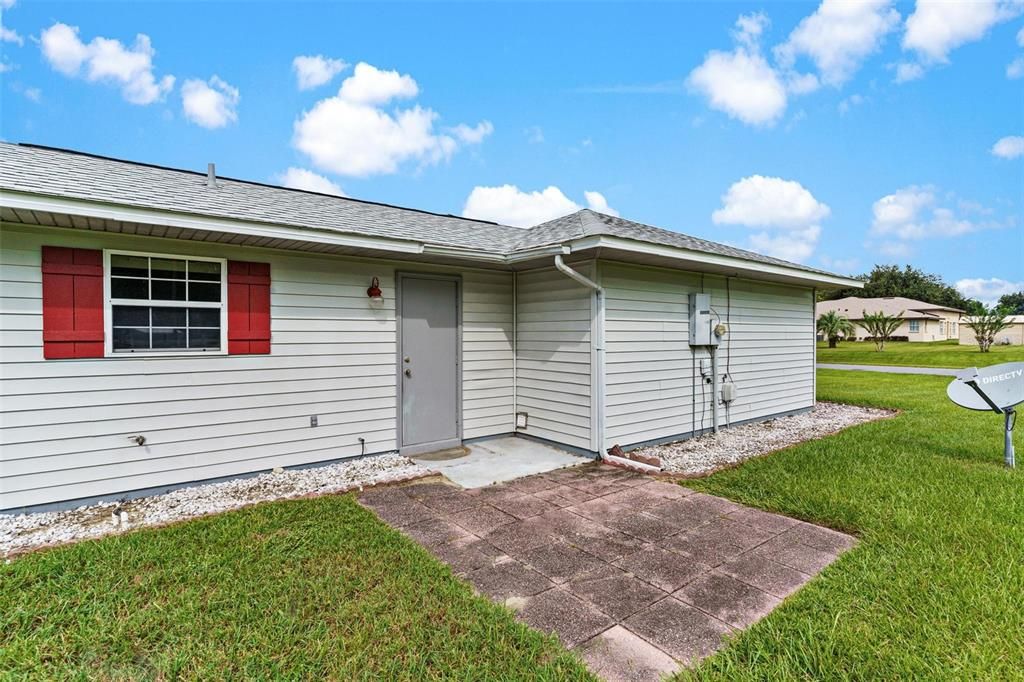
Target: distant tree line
[909,282]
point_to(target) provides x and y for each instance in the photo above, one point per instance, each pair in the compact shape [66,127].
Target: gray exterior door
[428,370]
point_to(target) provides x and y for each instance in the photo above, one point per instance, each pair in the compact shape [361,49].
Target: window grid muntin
[191,275]
[150,328]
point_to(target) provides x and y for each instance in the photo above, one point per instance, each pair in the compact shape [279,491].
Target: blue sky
[839,135]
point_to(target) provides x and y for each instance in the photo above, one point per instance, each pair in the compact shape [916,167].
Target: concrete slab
[617,655]
[560,613]
[685,633]
[641,575]
[727,599]
[501,459]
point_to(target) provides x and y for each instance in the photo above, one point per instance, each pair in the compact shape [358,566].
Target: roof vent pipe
[211,175]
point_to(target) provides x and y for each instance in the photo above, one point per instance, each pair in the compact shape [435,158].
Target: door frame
[400,278]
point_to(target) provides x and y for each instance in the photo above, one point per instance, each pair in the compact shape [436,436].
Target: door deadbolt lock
[408,372]
[407,359]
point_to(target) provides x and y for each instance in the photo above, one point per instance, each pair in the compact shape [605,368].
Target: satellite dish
[997,389]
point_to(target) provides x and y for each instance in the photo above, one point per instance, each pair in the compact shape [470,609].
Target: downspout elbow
[598,345]
[569,272]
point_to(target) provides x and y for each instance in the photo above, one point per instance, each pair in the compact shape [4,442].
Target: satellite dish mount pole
[1011,419]
[970,377]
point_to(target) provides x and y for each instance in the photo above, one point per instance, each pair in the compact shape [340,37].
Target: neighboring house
[922,321]
[162,327]
[1011,336]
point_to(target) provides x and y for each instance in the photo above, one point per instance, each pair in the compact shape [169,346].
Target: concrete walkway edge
[892,369]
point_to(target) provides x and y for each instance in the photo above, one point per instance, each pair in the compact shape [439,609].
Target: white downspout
[598,341]
[515,349]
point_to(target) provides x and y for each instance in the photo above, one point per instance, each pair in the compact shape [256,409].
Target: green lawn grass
[320,588]
[935,588]
[305,589]
[906,354]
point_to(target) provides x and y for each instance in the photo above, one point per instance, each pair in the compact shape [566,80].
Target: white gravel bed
[709,452]
[26,531]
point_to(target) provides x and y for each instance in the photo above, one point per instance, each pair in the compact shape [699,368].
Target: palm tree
[834,326]
[881,326]
[986,326]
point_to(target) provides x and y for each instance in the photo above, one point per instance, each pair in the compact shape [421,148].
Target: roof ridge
[143,164]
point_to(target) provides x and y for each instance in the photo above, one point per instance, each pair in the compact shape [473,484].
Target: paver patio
[638,575]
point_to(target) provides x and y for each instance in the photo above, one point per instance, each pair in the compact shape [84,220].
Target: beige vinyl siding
[66,423]
[487,382]
[554,355]
[653,391]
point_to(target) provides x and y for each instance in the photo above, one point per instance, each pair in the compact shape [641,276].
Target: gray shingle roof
[588,223]
[76,175]
[82,176]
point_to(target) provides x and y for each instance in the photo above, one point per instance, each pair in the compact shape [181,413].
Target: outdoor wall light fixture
[374,292]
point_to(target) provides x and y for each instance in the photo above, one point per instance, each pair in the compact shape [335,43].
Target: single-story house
[922,321]
[162,327]
[1011,336]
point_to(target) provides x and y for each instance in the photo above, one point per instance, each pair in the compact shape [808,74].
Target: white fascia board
[459,252]
[538,252]
[687,255]
[132,214]
[491,257]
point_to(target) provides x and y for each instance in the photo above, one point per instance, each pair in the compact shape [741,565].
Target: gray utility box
[701,323]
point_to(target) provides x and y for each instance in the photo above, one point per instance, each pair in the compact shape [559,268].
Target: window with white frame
[159,303]
[915,326]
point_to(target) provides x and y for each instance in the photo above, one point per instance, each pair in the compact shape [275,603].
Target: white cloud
[370,85]
[1009,147]
[750,28]
[34,94]
[794,245]
[509,205]
[988,291]
[534,134]
[908,71]
[312,71]
[838,36]
[473,135]
[802,83]
[7,4]
[301,178]
[597,202]
[916,212]
[741,83]
[843,265]
[850,102]
[9,35]
[210,104]
[1015,69]
[1020,37]
[783,206]
[759,201]
[108,61]
[351,134]
[937,27]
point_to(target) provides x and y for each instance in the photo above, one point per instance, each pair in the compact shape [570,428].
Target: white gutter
[598,390]
[752,268]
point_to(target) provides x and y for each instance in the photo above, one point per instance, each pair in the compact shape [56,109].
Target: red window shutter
[72,303]
[248,308]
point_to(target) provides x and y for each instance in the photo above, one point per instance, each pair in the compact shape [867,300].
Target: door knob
[408,372]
